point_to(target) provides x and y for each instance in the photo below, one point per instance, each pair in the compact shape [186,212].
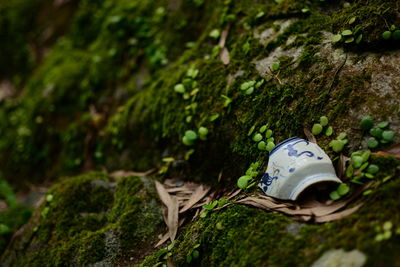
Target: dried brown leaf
[224,56]
[338,215]
[123,173]
[234,194]
[300,212]
[341,170]
[196,214]
[222,39]
[310,136]
[197,195]
[182,189]
[173,218]
[394,150]
[391,151]
[163,194]
[261,203]
[163,239]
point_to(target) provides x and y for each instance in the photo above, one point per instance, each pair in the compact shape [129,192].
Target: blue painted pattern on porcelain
[267,180]
[294,153]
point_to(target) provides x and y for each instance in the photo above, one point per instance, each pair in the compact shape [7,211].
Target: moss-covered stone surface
[90,85]
[89,220]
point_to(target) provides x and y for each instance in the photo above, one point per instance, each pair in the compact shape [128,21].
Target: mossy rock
[244,236]
[89,220]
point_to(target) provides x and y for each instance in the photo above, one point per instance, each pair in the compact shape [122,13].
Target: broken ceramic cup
[294,165]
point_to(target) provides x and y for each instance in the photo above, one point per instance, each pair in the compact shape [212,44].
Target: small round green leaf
[334,195]
[329,131]
[243,181]
[349,171]
[357,161]
[195,254]
[337,145]
[387,226]
[249,91]
[386,35]
[376,132]
[4,229]
[349,39]
[369,176]
[372,143]
[270,146]
[261,145]
[203,131]
[388,136]
[275,66]
[263,128]
[396,35]
[383,124]
[365,155]
[359,39]
[336,38]
[352,20]
[343,189]
[347,32]
[215,34]
[341,136]
[366,123]
[257,137]
[191,135]
[186,141]
[324,121]
[316,129]
[268,133]
[373,169]
[179,88]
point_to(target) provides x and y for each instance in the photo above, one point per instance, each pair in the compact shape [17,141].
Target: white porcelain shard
[293,166]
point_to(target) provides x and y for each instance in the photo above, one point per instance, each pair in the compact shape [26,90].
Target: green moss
[89,220]
[371,21]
